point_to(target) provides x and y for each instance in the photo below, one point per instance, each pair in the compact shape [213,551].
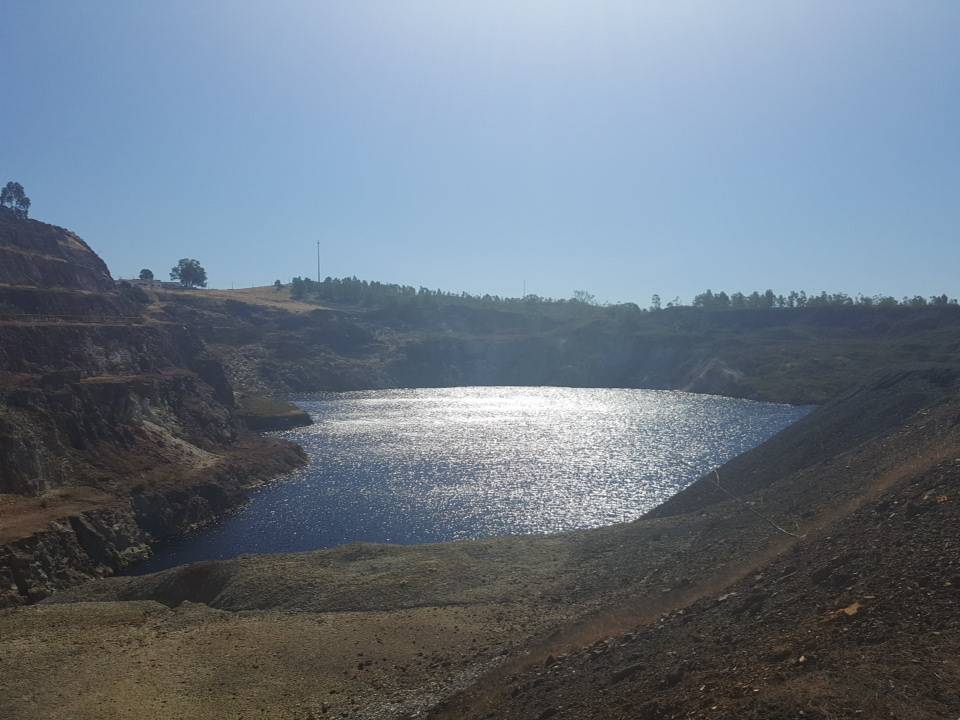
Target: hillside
[798,355]
[116,428]
[35,255]
[702,611]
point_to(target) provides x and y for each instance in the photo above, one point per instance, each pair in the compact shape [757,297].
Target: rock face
[96,395]
[264,414]
[71,550]
[60,429]
[100,542]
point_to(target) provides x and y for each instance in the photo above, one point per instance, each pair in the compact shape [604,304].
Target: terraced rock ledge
[117,428]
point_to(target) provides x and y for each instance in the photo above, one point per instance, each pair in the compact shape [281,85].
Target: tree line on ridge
[351,290]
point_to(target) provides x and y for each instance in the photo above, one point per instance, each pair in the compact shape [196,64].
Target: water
[415,466]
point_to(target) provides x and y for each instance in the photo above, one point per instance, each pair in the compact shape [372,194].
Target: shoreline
[73,547]
[270,526]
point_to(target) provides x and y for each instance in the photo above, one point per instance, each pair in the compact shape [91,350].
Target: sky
[625,148]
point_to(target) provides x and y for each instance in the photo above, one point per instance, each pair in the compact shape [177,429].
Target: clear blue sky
[622,147]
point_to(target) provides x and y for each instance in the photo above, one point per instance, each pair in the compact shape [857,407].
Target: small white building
[151,284]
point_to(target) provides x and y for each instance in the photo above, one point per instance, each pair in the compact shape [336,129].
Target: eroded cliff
[116,428]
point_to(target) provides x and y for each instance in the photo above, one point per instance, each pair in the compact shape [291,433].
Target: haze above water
[415,466]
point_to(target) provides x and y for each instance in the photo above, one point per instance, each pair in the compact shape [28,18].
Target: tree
[710,300]
[704,299]
[297,288]
[277,285]
[146,274]
[13,197]
[655,302]
[189,273]
[584,297]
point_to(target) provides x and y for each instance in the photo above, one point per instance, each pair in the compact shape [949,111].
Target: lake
[417,466]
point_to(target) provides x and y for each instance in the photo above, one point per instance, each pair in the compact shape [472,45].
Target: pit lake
[418,466]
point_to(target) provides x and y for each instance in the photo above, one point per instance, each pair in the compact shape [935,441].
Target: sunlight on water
[410,466]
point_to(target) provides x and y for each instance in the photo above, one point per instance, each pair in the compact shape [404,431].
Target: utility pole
[318,262]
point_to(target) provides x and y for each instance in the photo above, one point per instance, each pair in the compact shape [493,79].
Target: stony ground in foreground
[704,609]
[860,622]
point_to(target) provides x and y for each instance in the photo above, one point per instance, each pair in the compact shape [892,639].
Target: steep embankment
[805,356]
[843,611]
[702,609]
[116,429]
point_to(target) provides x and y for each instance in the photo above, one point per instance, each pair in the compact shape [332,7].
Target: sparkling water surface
[415,466]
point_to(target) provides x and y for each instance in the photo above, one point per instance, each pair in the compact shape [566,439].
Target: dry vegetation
[265,296]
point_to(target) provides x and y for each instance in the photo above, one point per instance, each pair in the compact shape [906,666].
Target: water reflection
[411,466]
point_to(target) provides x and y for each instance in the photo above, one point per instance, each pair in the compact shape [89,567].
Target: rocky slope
[845,611]
[819,582]
[857,621]
[116,429]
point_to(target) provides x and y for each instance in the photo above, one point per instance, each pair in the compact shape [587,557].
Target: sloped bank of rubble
[822,584]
